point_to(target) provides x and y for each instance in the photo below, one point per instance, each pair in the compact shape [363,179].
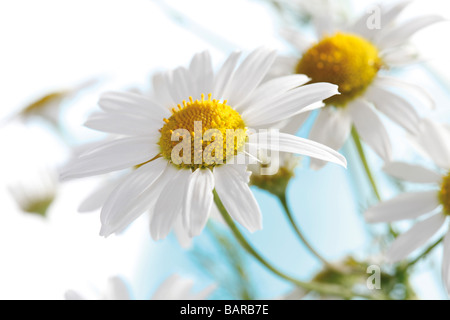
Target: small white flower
[173,288]
[37,193]
[433,138]
[146,129]
[48,106]
[356,58]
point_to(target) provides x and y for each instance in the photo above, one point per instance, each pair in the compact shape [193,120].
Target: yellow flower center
[202,134]
[444,194]
[346,60]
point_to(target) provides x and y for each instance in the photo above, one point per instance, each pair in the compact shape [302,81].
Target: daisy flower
[173,288]
[37,193]
[178,162]
[357,58]
[433,139]
[48,106]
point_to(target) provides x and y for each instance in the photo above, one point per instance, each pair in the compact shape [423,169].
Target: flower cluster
[191,149]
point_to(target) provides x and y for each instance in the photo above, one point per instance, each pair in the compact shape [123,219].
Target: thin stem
[425,253]
[363,158]
[369,174]
[322,288]
[299,233]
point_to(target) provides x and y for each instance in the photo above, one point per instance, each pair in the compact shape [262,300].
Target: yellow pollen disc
[444,194]
[210,114]
[347,60]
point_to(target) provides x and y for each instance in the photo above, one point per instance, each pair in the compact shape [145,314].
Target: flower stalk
[322,288]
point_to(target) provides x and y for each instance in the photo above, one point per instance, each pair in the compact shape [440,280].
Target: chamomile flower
[48,106]
[37,193]
[175,142]
[357,58]
[433,139]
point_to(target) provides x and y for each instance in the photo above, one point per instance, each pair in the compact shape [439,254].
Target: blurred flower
[173,288]
[178,288]
[433,138]
[285,163]
[48,107]
[170,188]
[36,194]
[354,58]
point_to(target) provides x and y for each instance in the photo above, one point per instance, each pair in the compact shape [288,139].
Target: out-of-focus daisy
[177,288]
[48,106]
[433,139]
[37,193]
[357,58]
[173,288]
[171,182]
[274,173]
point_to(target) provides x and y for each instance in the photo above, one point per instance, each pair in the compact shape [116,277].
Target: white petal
[202,74]
[198,201]
[282,66]
[117,208]
[127,102]
[412,89]
[168,289]
[296,38]
[224,76]
[182,86]
[237,197]
[73,295]
[112,156]
[414,238]
[98,197]
[144,202]
[169,205]
[294,101]
[161,92]
[293,125]
[249,74]
[124,124]
[403,32]
[272,89]
[395,107]
[388,16]
[291,144]
[433,138]
[117,289]
[181,233]
[446,262]
[412,173]
[370,128]
[331,128]
[406,206]
[205,293]
[400,56]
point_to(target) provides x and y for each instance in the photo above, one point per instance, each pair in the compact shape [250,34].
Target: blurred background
[63,54]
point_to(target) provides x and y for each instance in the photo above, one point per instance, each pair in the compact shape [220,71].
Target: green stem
[363,158]
[369,174]
[283,200]
[322,288]
[425,253]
